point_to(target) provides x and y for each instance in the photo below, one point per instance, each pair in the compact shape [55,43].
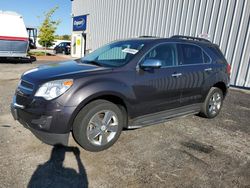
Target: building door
[77,49]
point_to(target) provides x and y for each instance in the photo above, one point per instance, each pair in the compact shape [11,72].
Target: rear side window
[217,52]
[191,54]
[206,58]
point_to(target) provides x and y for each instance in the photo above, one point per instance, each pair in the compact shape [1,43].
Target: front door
[159,89]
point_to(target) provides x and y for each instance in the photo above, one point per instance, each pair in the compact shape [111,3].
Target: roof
[175,38]
[12,25]
[10,13]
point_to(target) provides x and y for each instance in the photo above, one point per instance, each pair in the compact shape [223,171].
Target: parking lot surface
[186,152]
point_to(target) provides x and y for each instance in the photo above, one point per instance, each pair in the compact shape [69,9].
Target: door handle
[176,74]
[208,69]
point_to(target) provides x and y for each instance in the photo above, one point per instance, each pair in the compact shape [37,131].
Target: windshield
[114,54]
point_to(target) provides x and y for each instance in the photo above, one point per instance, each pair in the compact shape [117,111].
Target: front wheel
[98,125]
[213,103]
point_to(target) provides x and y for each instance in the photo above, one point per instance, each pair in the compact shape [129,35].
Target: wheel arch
[222,86]
[111,97]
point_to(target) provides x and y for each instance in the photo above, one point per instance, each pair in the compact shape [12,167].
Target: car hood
[69,69]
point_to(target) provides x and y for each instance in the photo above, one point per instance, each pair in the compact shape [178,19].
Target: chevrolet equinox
[125,84]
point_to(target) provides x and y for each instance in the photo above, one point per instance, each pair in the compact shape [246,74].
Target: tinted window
[206,58]
[217,52]
[165,53]
[191,54]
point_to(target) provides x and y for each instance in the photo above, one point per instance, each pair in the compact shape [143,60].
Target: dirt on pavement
[186,152]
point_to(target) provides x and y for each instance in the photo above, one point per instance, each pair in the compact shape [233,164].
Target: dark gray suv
[63,47]
[125,84]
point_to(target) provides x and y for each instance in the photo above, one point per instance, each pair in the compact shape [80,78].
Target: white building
[225,22]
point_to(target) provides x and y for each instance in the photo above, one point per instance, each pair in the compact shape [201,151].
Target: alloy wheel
[102,127]
[214,104]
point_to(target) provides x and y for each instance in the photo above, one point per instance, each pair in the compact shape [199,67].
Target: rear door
[160,88]
[193,64]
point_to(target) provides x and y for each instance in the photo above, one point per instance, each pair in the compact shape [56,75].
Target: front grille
[26,85]
[23,100]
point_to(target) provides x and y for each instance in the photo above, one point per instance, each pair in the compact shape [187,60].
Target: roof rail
[147,36]
[190,38]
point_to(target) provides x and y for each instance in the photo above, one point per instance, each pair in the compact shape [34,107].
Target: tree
[66,37]
[48,28]
[63,37]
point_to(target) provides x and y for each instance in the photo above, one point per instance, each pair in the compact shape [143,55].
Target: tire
[98,136]
[213,103]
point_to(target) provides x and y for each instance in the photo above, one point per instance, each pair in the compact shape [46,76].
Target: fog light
[43,122]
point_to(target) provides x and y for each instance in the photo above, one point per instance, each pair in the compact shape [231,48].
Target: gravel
[186,152]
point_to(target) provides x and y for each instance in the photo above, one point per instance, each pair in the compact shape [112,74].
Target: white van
[14,39]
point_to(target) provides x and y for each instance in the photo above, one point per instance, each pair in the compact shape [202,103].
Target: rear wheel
[213,103]
[98,125]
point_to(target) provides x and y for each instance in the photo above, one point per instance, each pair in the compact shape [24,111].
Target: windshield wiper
[93,63]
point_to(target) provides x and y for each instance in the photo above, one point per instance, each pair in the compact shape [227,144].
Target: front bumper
[50,123]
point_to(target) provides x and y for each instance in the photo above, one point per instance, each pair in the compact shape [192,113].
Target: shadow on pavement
[18,60]
[53,174]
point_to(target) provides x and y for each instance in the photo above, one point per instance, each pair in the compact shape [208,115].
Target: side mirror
[151,64]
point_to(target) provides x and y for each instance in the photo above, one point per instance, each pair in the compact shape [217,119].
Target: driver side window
[166,53]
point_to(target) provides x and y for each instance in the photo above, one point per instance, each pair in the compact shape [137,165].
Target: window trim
[202,50]
[210,60]
[177,58]
[155,46]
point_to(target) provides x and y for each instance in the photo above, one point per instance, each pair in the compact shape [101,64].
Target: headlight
[53,89]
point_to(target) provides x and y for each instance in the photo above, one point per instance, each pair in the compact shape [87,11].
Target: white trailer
[14,39]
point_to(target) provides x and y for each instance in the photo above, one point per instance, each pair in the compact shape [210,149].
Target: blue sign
[80,23]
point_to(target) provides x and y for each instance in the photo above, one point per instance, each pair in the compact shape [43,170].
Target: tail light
[228,69]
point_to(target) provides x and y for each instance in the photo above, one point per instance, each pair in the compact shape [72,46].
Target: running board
[163,116]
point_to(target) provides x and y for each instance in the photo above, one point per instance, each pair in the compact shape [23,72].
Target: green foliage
[63,37]
[66,37]
[48,28]
[38,53]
